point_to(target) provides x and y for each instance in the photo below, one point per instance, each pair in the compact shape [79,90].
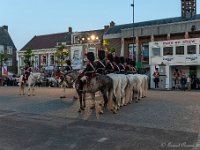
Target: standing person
[183,81]
[156,75]
[189,83]
[101,63]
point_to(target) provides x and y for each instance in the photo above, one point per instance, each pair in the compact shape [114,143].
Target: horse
[101,83]
[33,78]
[68,80]
[52,82]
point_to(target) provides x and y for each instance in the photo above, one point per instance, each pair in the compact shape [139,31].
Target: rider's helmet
[101,54]
[90,56]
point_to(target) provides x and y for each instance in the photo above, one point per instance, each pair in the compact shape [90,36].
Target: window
[156,51]
[132,53]
[22,61]
[179,50]
[43,60]
[9,49]
[167,51]
[9,62]
[145,52]
[191,49]
[51,59]
[36,61]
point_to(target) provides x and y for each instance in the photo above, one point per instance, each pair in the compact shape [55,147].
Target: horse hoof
[79,110]
[114,112]
[82,108]
[62,96]
[136,101]
[101,112]
[29,95]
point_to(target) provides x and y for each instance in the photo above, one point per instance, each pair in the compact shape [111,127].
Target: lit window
[51,59]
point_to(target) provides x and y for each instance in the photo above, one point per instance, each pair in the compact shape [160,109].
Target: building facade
[8,51]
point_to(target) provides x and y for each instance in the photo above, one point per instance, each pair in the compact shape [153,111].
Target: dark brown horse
[101,83]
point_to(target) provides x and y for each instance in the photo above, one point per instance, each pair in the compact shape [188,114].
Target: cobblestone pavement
[164,119]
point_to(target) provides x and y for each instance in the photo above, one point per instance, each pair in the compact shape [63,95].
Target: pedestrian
[183,81]
[156,75]
[189,83]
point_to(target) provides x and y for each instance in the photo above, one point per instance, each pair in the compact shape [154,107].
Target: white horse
[32,80]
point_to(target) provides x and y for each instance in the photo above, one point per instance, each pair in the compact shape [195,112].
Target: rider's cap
[68,62]
[117,60]
[101,54]
[110,57]
[122,60]
[90,56]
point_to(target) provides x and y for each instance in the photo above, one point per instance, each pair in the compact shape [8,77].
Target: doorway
[193,75]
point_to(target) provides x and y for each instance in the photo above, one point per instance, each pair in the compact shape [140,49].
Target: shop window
[156,51]
[179,50]
[167,51]
[191,49]
[51,59]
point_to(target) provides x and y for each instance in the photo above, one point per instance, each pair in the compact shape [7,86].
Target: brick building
[8,49]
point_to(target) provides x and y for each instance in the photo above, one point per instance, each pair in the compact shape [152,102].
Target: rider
[127,66]
[109,64]
[132,66]
[116,65]
[121,65]
[89,71]
[68,68]
[27,71]
[101,63]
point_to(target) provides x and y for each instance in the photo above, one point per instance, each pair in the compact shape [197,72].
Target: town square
[100,75]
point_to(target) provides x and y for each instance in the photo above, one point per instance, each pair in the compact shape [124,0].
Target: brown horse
[101,83]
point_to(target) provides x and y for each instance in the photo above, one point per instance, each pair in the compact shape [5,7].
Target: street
[163,120]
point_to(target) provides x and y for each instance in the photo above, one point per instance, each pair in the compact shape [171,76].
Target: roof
[118,28]
[5,38]
[48,41]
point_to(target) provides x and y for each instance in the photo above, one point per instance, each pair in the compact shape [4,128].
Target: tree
[62,55]
[28,54]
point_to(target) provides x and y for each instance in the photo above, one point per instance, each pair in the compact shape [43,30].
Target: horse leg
[84,101]
[29,88]
[93,100]
[80,100]
[33,90]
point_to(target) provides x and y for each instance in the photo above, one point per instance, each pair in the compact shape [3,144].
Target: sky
[27,18]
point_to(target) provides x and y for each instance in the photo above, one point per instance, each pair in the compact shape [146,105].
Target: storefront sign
[168,59]
[191,59]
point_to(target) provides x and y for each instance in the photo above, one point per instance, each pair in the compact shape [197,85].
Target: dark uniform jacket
[116,69]
[109,67]
[100,66]
[122,68]
[68,68]
[90,69]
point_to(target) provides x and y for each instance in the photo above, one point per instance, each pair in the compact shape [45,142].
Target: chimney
[5,27]
[70,29]
[112,24]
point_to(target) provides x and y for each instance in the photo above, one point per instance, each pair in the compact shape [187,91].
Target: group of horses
[117,90]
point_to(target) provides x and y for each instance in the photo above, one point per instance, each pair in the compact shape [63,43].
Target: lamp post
[132,5]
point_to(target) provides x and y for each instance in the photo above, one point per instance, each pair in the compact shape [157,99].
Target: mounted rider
[68,68]
[27,71]
[101,63]
[132,66]
[109,64]
[121,65]
[88,72]
[116,65]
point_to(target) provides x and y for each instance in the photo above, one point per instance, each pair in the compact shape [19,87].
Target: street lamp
[132,5]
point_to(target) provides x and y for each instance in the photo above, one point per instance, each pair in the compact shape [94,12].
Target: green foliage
[111,50]
[62,55]
[3,58]
[27,55]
